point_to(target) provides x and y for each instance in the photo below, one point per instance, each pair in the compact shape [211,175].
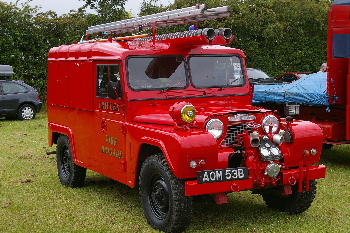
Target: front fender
[179,147]
[306,135]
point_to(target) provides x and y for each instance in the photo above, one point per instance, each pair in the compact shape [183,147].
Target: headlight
[188,113]
[182,113]
[272,170]
[272,122]
[215,127]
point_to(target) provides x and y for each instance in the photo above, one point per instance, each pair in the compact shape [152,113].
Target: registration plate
[219,175]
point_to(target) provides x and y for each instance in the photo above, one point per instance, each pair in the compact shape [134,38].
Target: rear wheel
[26,112]
[294,203]
[162,196]
[70,174]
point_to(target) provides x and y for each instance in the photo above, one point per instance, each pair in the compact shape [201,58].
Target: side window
[288,78]
[13,88]
[108,82]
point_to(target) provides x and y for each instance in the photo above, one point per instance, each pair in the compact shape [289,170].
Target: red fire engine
[171,114]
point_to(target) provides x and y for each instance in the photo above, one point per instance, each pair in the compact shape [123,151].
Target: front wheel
[70,174]
[294,203]
[165,206]
[26,112]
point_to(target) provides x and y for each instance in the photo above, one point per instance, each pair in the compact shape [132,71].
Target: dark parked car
[17,99]
[292,76]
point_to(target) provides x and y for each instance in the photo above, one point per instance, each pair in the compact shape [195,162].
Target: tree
[151,7]
[276,35]
[21,45]
[108,10]
[26,37]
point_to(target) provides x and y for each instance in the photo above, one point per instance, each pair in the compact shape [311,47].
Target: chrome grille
[232,133]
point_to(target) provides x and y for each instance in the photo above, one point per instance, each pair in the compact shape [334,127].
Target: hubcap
[27,113]
[159,198]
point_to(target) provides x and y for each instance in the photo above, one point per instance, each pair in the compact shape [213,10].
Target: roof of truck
[109,49]
[341,2]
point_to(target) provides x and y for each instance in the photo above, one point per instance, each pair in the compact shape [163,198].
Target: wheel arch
[56,130]
[146,150]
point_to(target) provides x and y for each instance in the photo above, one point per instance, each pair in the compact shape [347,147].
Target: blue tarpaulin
[309,90]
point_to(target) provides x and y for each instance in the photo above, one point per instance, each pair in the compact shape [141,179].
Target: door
[110,117]
[13,95]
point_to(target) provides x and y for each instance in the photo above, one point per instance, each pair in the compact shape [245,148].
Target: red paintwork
[338,73]
[127,127]
[288,176]
[296,74]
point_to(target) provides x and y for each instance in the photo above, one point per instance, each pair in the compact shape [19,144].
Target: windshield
[216,71]
[255,74]
[156,72]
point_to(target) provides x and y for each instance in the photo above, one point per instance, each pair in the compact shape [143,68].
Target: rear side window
[13,88]
[108,82]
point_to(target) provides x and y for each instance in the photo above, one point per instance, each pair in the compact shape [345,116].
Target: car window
[254,74]
[288,78]
[156,72]
[216,71]
[13,88]
[108,82]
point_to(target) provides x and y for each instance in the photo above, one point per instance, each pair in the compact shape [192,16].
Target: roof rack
[174,17]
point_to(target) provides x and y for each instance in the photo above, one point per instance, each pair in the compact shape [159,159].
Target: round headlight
[270,122]
[188,113]
[215,127]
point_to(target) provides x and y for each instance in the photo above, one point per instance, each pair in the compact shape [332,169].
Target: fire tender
[171,114]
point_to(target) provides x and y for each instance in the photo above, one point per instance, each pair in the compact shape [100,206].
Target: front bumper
[288,177]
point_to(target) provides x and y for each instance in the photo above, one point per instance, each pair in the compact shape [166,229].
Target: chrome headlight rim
[215,132]
[267,122]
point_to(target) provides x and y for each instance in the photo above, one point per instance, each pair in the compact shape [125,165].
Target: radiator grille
[232,132]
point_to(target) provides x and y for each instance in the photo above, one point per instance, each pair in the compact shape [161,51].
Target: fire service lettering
[111,151]
[108,106]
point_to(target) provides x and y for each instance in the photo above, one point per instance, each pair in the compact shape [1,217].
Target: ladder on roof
[175,17]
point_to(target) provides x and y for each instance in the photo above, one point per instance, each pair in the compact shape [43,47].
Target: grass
[33,200]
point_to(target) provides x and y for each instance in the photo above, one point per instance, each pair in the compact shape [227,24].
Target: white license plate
[219,175]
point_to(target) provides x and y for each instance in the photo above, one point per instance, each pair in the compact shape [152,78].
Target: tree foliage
[276,35]
[108,10]
[26,35]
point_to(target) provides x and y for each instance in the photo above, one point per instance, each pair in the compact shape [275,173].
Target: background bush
[276,35]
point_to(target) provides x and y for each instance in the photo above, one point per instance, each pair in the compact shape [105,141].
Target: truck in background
[326,104]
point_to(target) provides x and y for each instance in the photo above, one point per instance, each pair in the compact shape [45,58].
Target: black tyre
[165,206]
[26,112]
[295,203]
[327,146]
[70,174]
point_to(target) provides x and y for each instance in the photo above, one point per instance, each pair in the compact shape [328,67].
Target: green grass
[33,200]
